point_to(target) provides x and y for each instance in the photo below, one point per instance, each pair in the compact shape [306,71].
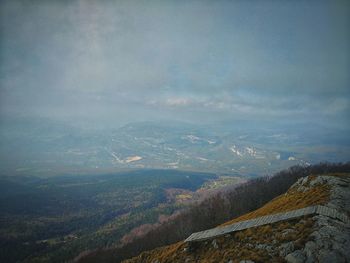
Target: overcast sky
[124,61]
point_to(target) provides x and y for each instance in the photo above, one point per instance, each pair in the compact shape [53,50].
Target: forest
[54,219]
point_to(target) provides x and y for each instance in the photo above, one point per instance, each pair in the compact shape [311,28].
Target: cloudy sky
[124,61]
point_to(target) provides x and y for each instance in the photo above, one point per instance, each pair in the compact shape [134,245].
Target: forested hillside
[213,211]
[54,219]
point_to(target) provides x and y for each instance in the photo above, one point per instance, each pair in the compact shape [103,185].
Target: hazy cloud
[128,60]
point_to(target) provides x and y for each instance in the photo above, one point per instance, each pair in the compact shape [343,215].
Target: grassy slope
[235,246]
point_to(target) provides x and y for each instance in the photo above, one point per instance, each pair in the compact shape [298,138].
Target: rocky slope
[330,240]
[308,239]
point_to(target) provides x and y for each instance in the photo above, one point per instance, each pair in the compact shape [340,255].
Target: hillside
[54,219]
[305,239]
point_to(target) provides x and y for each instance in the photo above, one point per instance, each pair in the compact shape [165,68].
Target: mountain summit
[319,236]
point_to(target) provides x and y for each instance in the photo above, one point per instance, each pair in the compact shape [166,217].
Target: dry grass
[289,201]
[237,246]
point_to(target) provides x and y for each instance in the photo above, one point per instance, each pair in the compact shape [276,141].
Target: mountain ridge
[309,239]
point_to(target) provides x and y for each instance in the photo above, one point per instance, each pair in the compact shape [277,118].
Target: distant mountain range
[49,148]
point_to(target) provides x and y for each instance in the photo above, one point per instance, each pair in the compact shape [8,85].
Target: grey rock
[327,231]
[315,235]
[310,249]
[326,256]
[340,237]
[325,243]
[322,220]
[286,249]
[263,246]
[302,189]
[340,247]
[269,249]
[299,185]
[247,261]
[332,238]
[304,180]
[319,240]
[298,182]
[310,259]
[296,257]
[250,245]
[317,180]
[215,244]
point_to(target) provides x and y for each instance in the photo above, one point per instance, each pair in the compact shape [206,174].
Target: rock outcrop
[330,241]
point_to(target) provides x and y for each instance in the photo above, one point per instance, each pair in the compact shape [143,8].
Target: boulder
[326,256]
[286,248]
[296,257]
[215,244]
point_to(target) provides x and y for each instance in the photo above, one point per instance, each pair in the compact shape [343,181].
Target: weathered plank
[269,219]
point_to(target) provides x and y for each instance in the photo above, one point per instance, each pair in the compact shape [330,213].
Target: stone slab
[264,220]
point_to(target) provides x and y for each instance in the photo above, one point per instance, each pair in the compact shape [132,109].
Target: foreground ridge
[308,223]
[269,219]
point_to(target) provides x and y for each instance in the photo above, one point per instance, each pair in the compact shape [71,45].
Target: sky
[114,62]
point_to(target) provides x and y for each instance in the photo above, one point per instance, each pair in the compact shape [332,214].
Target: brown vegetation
[289,201]
[238,246]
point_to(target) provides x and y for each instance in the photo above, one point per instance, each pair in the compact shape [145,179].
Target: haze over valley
[44,148]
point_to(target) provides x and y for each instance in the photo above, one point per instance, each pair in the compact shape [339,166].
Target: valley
[54,219]
[65,190]
[46,149]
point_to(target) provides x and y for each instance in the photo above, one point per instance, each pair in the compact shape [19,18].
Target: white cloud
[174,102]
